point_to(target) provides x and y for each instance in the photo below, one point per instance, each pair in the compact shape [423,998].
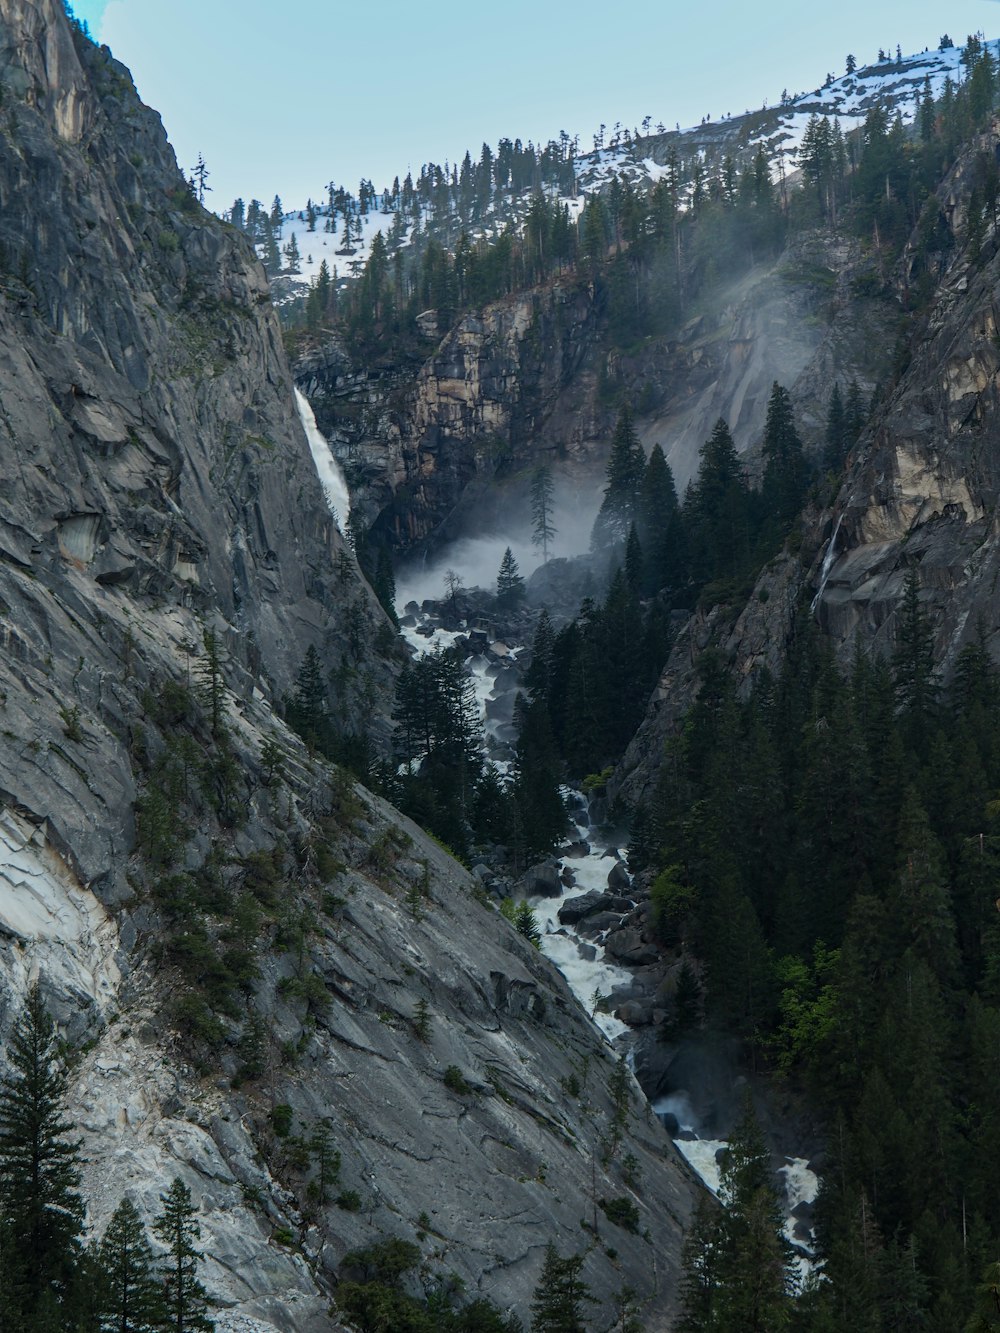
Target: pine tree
[185,1299]
[658,523]
[716,510]
[756,1272]
[784,466]
[836,432]
[510,584]
[307,709]
[199,176]
[559,1296]
[855,414]
[134,1299]
[542,528]
[626,468]
[211,684]
[41,1212]
[913,671]
[701,1267]
[292,254]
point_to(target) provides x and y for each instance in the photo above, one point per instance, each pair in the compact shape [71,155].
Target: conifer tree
[784,467]
[542,528]
[716,510]
[658,523]
[134,1298]
[756,1272]
[855,414]
[510,584]
[913,671]
[185,1299]
[626,467]
[41,1211]
[558,1300]
[836,432]
[211,684]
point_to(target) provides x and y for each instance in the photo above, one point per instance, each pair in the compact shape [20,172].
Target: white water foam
[327,468]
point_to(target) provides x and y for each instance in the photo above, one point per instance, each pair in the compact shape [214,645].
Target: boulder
[628,946]
[585,905]
[635,1013]
[618,877]
[600,921]
[542,881]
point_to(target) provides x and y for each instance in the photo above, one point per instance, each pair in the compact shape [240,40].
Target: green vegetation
[829,855]
[375,1293]
[51,1282]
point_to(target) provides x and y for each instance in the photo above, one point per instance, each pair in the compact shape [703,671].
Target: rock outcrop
[444,446]
[166,560]
[919,496]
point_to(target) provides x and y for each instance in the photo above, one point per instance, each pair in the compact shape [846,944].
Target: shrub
[454,1081]
[621,1211]
[281,1120]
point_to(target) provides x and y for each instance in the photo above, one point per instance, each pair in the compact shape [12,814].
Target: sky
[281,99]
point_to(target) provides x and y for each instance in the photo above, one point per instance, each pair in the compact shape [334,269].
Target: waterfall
[828,561]
[327,468]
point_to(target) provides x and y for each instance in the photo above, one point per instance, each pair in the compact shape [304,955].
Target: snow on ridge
[847,98]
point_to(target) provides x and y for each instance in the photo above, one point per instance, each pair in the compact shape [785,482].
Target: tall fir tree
[510,584]
[185,1300]
[784,480]
[133,1300]
[626,468]
[560,1294]
[543,529]
[41,1211]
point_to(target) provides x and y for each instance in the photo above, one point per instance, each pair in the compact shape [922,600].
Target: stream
[585,861]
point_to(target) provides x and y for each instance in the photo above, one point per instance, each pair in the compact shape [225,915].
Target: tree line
[824,859]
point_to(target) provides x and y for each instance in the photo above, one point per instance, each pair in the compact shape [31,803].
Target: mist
[477,559]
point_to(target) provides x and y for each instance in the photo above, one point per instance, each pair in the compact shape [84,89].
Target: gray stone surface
[157,483]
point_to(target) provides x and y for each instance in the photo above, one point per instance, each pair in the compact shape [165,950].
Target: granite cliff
[240,943]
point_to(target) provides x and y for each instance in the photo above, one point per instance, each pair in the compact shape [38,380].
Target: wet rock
[586,905]
[542,881]
[628,946]
[616,903]
[618,877]
[599,922]
[635,1013]
[576,850]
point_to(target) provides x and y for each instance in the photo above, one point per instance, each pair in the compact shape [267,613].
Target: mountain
[247,952]
[563,171]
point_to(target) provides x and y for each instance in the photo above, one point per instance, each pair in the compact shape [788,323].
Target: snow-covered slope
[898,82]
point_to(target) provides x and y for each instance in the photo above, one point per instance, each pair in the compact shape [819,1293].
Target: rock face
[920,496]
[156,481]
[446,445]
[157,485]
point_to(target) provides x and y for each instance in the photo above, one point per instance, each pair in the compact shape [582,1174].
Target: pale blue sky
[285,98]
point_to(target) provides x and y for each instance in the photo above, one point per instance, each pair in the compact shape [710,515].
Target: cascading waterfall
[327,468]
[592,976]
[828,562]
